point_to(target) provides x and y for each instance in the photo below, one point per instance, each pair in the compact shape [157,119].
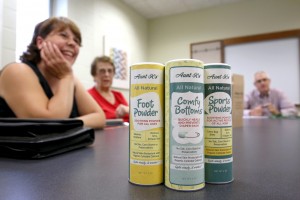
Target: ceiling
[159,8]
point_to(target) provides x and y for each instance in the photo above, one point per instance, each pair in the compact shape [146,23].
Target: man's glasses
[261,80]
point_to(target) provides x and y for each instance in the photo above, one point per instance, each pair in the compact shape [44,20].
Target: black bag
[40,138]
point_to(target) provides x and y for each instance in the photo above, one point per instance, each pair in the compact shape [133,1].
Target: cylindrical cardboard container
[146,123]
[218,123]
[184,122]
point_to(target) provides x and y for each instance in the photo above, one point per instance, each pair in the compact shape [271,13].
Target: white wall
[8,31]
[26,22]
[170,37]
[112,19]
[1,19]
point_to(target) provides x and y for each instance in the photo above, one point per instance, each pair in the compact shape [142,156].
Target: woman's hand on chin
[56,64]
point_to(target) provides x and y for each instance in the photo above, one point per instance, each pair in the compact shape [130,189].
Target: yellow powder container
[184,125]
[218,123]
[146,123]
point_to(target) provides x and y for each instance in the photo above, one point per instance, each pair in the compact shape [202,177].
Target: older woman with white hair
[111,101]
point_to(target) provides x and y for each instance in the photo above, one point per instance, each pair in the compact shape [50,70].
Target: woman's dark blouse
[5,110]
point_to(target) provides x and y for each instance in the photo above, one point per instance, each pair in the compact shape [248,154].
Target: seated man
[266,101]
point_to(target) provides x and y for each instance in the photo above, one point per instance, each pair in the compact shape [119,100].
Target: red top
[108,108]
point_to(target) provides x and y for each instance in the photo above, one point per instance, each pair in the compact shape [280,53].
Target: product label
[186,145]
[146,76]
[146,111]
[146,126]
[218,125]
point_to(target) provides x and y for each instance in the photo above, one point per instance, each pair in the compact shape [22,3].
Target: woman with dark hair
[111,101]
[43,85]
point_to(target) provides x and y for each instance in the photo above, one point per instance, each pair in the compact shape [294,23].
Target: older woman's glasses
[261,80]
[104,71]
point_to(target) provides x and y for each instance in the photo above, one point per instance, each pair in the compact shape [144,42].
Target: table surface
[266,165]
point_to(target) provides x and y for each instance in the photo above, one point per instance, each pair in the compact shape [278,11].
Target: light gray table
[266,166]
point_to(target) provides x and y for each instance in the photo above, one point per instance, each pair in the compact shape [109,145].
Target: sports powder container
[218,123]
[184,125]
[146,124]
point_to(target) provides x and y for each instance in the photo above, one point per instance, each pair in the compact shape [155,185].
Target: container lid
[183,59]
[216,65]
[209,64]
[147,63]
